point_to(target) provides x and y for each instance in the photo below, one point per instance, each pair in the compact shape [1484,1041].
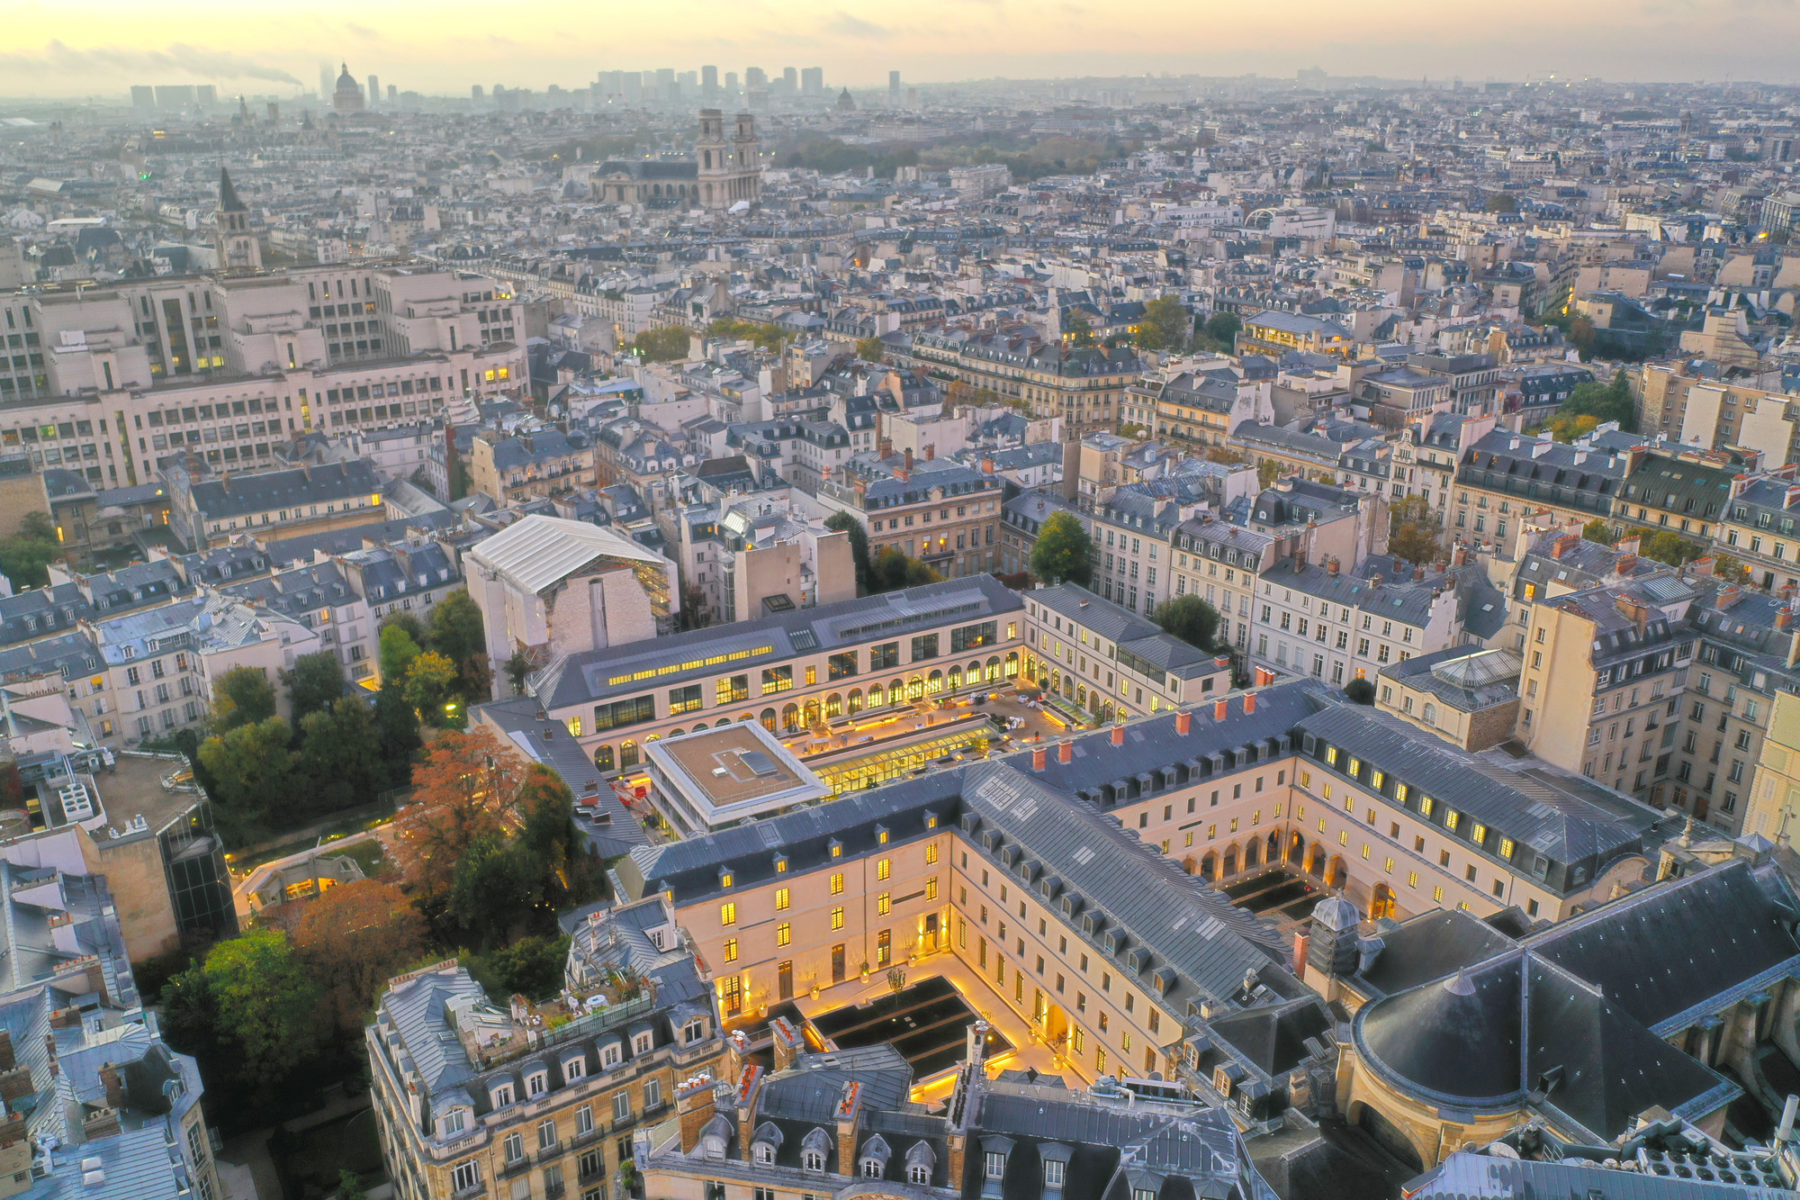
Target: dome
[1336,913]
[345,79]
[1457,1037]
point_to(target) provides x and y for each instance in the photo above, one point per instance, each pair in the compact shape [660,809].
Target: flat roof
[734,770]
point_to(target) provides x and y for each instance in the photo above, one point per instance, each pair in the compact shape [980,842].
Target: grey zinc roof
[1469,1175]
[1565,817]
[241,495]
[1125,629]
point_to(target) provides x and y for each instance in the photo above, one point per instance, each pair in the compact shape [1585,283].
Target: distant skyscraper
[665,84]
[327,79]
[393,92]
[205,93]
[143,96]
[709,83]
[475,93]
[731,83]
[755,77]
[174,95]
[374,90]
[791,78]
[812,81]
[894,87]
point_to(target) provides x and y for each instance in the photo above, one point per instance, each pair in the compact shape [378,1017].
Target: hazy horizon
[101,47]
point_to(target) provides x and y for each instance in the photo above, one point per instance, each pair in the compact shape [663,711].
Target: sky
[101,47]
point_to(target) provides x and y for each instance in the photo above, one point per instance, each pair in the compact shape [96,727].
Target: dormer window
[813,1160]
[641,1042]
[996,1164]
[610,1055]
[574,1068]
[453,1122]
[502,1095]
[536,1084]
[1054,1170]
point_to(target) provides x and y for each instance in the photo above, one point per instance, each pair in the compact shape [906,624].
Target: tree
[1223,328]
[518,667]
[871,349]
[252,771]
[1670,547]
[859,545]
[429,679]
[350,1186]
[893,569]
[1599,530]
[456,632]
[1267,472]
[1078,330]
[1189,618]
[1064,552]
[1502,202]
[266,1004]
[1603,402]
[667,344]
[527,966]
[396,732]
[1414,531]
[398,649]
[1360,691]
[241,696]
[1582,336]
[1166,325]
[25,557]
[466,789]
[340,756]
[1730,569]
[315,683]
[353,939]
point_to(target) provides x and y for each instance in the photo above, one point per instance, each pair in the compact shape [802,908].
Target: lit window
[781,899]
[728,913]
[883,904]
[731,949]
[837,917]
[783,934]
[837,884]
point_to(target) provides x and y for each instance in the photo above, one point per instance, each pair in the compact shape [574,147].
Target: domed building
[348,98]
[846,102]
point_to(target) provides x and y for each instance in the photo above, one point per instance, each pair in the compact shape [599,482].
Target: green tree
[1360,691]
[252,771]
[315,683]
[350,1186]
[25,557]
[493,889]
[1267,472]
[1223,328]
[241,696]
[429,679]
[1064,552]
[1189,618]
[518,668]
[1166,325]
[1730,569]
[457,633]
[1414,531]
[871,349]
[528,966]
[859,545]
[1502,202]
[398,650]
[340,756]
[1582,336]
[893,570]
[396,732]
[267,1005]
[667,344]
[1667,546]
[1078,330]
[1603,402]
[1599,530]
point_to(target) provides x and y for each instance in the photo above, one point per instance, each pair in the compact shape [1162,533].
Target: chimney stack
[1221,708]
[1118,734]
[987,466]
[694,1105]
[1065,751]
[1184,720]
[1264,677]
[1784,617]
[1249,703]
[1040,755]
[908,457]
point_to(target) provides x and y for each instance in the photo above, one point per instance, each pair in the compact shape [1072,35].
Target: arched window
[934,683]
[955,678]
[1012,665]
[834,706]
[918,1174]
[855,701]
[628,755]
[603,758]
[1430,714]
[915,688]
[768,719]
[790,717]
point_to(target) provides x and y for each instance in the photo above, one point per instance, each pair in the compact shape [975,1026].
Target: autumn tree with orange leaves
[355,937]
[466,790]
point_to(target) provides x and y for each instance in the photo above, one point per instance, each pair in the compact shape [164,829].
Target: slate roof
[1126,630]
[266,491]
[540,551]
[1472,1175]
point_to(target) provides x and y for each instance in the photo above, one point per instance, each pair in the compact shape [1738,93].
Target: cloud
[60,58]
[362,31]
[845,25]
